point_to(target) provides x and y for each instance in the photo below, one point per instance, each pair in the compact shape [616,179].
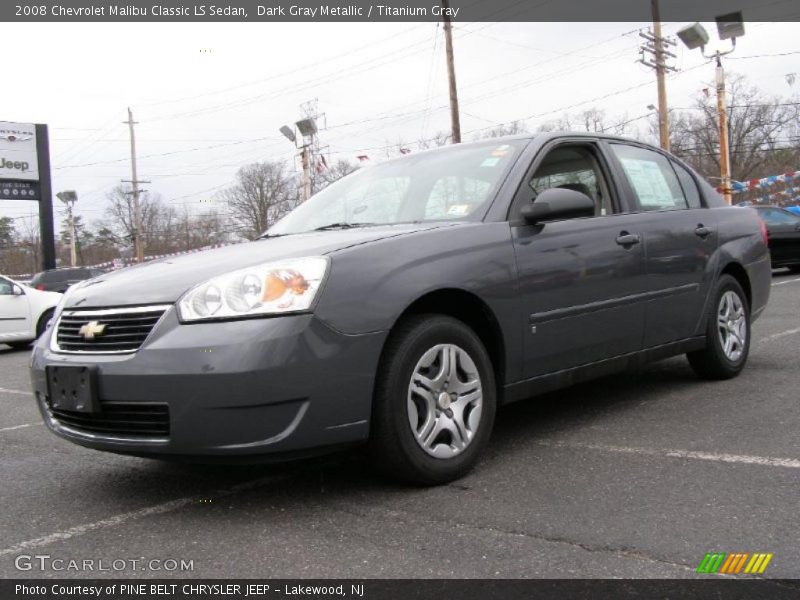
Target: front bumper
[249,387]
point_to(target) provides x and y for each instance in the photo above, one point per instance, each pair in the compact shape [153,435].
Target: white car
[24,312]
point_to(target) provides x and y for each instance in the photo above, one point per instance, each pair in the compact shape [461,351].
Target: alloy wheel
[732,325]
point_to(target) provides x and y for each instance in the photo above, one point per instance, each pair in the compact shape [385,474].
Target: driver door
[581,280]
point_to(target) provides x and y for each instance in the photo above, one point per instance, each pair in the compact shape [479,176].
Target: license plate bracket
[73,388]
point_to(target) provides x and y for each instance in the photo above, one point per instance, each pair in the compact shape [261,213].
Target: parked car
[59,280]
[794,209]
[401,305]
[24,312]
[783,227]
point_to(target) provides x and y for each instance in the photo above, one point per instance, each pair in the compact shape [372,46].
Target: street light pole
[306,162]
[724,146]
[729,27]
[70,198]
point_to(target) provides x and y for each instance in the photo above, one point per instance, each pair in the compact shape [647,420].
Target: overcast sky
[211,97]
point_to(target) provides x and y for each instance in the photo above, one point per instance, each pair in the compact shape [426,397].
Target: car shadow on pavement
[348,472]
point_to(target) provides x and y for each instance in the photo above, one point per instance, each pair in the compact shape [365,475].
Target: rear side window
[689,186]
[652,178]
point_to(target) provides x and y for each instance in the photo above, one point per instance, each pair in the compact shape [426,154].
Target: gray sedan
[400,306]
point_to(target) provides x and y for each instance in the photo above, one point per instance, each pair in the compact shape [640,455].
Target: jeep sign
[18,152]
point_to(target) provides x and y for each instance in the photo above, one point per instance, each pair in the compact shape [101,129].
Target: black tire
[393,447]
[712,361]
[19,345]
[43,321]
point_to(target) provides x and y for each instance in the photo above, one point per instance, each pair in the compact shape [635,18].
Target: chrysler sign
[18,152]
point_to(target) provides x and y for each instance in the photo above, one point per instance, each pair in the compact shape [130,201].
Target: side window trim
[678,168]
[522,194]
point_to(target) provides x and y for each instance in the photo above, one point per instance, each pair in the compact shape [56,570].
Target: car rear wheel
[727,333]
[434,402]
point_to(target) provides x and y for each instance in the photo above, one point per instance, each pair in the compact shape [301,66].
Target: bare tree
[759,132]
[263,193]
[442,138]
[341,168]
[512,128]
[592,120]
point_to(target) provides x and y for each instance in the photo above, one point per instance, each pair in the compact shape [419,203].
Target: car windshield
[449,184]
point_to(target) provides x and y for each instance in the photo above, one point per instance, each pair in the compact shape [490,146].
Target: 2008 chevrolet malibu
[401,305]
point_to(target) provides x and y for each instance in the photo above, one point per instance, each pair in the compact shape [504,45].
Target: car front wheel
[727,333]
[435,401]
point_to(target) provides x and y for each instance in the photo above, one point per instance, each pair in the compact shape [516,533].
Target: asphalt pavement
[635,475]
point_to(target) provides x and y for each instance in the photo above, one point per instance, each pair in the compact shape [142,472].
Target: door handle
[702,231]
[628,239]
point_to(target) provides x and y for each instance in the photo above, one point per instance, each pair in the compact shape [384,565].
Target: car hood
[167,279]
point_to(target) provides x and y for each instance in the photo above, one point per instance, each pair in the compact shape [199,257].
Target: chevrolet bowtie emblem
[92,329]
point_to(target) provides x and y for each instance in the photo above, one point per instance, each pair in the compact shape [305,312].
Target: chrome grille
[112,330]
[131,419]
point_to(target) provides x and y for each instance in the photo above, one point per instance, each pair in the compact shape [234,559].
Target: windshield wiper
[271,235]
[342,226]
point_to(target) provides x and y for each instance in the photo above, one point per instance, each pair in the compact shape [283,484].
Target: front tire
[41,326]
[435,401]
[19,345]
[727,333]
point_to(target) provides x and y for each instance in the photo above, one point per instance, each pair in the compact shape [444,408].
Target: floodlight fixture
[730,26]
[67,196]
[288,133]
[307,127]
[693,36]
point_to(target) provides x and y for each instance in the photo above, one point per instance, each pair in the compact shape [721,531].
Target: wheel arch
[739,273]
[471,310]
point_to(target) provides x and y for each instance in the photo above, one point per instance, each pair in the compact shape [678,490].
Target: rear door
[679,236]
[580,280]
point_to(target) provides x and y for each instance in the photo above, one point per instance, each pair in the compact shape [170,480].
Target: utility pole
[455,119]
[655,47]
[724,148]
[137,213]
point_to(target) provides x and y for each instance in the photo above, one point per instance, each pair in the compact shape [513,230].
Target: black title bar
[391,10]
[397,589]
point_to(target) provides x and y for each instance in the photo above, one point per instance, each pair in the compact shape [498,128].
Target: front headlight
[272,288]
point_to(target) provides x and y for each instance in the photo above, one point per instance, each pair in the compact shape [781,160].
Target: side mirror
[558,203]
[17,291]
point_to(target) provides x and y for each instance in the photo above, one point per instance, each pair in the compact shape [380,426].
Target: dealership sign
[18,159]
[25,175]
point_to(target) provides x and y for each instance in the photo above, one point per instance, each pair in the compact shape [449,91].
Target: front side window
[575,168]
[652,178]
[452,183]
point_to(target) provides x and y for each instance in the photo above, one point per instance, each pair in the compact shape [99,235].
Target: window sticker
[501,150]
[649,182]
[491,161]
[458,210]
